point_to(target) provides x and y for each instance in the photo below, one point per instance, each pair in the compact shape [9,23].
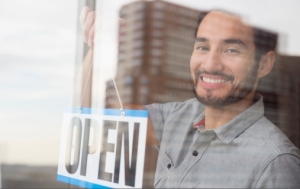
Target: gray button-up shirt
[247,152]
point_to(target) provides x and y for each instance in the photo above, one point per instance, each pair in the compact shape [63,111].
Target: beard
[234,95]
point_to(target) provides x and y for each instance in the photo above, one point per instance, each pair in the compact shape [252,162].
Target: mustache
[216,73]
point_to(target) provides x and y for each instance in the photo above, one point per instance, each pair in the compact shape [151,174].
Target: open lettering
[89,138]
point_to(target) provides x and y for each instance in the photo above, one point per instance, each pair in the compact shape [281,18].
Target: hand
[87,21]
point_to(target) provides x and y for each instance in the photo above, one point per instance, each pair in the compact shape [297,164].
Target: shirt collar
[199,121]
[200,125]
[240,123]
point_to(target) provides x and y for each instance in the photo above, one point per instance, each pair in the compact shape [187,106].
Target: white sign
[101,149]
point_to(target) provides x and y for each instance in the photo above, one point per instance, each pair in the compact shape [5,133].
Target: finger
[91,36]
[84,12]
[88,25]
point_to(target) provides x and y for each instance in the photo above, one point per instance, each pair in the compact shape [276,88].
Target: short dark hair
[264,40]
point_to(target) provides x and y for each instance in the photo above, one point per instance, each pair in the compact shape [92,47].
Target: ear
[266,64]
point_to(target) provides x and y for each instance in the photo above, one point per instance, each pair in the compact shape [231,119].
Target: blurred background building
[155,45]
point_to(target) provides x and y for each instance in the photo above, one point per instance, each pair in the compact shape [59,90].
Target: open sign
[103,149]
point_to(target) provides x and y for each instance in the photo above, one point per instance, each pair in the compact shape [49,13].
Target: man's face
[223,68]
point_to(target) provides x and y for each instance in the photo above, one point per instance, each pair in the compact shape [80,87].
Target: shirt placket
[194,155]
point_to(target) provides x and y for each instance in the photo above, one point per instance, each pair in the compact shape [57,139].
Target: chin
[217,101]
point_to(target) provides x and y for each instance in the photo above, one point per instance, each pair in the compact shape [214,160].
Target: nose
[212,62]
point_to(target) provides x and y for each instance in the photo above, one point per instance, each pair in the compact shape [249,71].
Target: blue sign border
[110,112]
[78,182]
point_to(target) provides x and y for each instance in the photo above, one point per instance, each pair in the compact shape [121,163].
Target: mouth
[212,80]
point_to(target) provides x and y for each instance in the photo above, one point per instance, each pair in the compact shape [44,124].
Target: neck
[217,117]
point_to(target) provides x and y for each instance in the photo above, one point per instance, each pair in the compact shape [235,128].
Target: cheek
[194,63]
[192,67]
[242,73]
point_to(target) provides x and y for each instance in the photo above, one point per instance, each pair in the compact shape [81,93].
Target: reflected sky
[37,54]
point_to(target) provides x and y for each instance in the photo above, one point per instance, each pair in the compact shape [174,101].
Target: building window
[139,6]
[144,80]
[158,5]
[154,71]
[121,56]
[157,52]
[143,99]
[157,24]
[128,80]
[139,16]
[122,47]
[138,43]
[127,91]
[138,34]
[138,53]
[157,43]
[157,33]
[172,8]
[155,62]
[137,62]
[158,15]
[143,90]
[138,25]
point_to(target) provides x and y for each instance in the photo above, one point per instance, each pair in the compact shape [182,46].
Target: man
[221,138]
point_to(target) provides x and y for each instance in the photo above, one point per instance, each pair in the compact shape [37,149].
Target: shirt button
[169,166]
[195,153]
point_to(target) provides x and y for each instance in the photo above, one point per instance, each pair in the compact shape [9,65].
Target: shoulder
[282,172]
[271,137]
[279,159]
[167,115]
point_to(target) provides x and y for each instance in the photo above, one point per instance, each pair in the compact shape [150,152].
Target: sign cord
[120,101]
[87,80]
[86,83]
[85,86]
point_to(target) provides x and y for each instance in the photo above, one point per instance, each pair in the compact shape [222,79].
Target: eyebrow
[201,39]
[226,41]
[235,41]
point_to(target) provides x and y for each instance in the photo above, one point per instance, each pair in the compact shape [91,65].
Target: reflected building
[155,46]
[289,99]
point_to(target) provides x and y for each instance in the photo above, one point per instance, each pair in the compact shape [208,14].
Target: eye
[202,48]
[232,51]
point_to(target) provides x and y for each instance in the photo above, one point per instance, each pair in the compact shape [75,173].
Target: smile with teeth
[213,81]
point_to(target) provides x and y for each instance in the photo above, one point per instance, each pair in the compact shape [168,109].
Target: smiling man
[221,138]
[224,69]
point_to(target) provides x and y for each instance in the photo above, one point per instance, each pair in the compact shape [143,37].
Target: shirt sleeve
[158,113]
[282,172]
